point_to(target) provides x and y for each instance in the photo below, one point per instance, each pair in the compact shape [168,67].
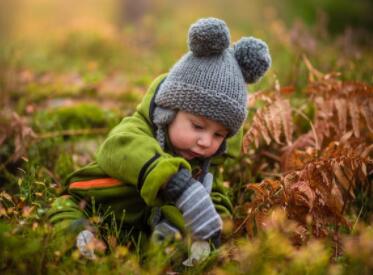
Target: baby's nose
[204,140]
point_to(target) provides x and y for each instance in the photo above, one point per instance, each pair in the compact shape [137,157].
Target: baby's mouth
[188,154]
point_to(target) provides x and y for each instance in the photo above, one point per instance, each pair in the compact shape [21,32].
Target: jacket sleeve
[133,155]
[65,215]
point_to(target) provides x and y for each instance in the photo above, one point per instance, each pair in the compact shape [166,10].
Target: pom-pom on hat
[210,80]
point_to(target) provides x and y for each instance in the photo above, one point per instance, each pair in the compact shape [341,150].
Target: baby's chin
[188,154]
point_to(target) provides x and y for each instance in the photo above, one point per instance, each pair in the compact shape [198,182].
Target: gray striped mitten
[207,182]
[164,231]
[194,202]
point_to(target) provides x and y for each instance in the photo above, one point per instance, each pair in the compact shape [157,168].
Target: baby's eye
[219,135]
[197,126]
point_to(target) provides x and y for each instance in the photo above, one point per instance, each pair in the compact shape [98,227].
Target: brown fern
[318,194]
[322,169]
[14,130]
[271,122]
[341,106]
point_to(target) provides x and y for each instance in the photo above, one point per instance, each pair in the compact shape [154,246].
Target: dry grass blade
[313,73]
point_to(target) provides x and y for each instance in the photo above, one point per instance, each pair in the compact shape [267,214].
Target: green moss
[37,92]
[81,116]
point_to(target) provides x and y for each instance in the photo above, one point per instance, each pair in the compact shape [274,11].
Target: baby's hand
[195,204]
[207,182]
[164,231]
[85,242]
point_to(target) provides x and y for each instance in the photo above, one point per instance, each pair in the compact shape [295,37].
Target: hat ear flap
[253,56]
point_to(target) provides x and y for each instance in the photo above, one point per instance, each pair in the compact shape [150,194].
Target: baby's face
[195,136]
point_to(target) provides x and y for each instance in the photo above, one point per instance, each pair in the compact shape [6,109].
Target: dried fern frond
[267,194]
[341,106]
[270,122]
[15,129]
[340,109]
[318,194]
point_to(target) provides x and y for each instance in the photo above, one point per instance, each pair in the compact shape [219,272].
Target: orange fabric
[96,183]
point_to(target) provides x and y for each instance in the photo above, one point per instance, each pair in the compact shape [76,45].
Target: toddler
[157,172]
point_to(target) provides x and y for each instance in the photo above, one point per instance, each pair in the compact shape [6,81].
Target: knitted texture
[199,212]
[253,57]
[162,118]
[207,37]
[210,80]
[177,185]
[164,230]
[208,180]
[194,202]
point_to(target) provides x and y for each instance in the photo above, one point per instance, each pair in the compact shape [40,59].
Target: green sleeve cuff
[160,173]
[174,216]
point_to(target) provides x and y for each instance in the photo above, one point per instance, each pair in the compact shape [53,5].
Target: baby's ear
[253,56]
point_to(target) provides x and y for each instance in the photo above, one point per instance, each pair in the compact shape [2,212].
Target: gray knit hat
[210,80]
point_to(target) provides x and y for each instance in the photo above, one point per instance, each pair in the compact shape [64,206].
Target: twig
[357,219]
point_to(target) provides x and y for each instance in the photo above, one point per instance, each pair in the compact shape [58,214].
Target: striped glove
[194,202]
[162,229]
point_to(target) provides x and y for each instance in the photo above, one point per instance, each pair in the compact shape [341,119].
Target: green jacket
[132,155]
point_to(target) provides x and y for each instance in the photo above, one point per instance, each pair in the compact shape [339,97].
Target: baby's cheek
[216,146]
[181,141]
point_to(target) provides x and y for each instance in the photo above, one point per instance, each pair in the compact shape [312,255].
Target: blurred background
[96,57]
[137,40]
